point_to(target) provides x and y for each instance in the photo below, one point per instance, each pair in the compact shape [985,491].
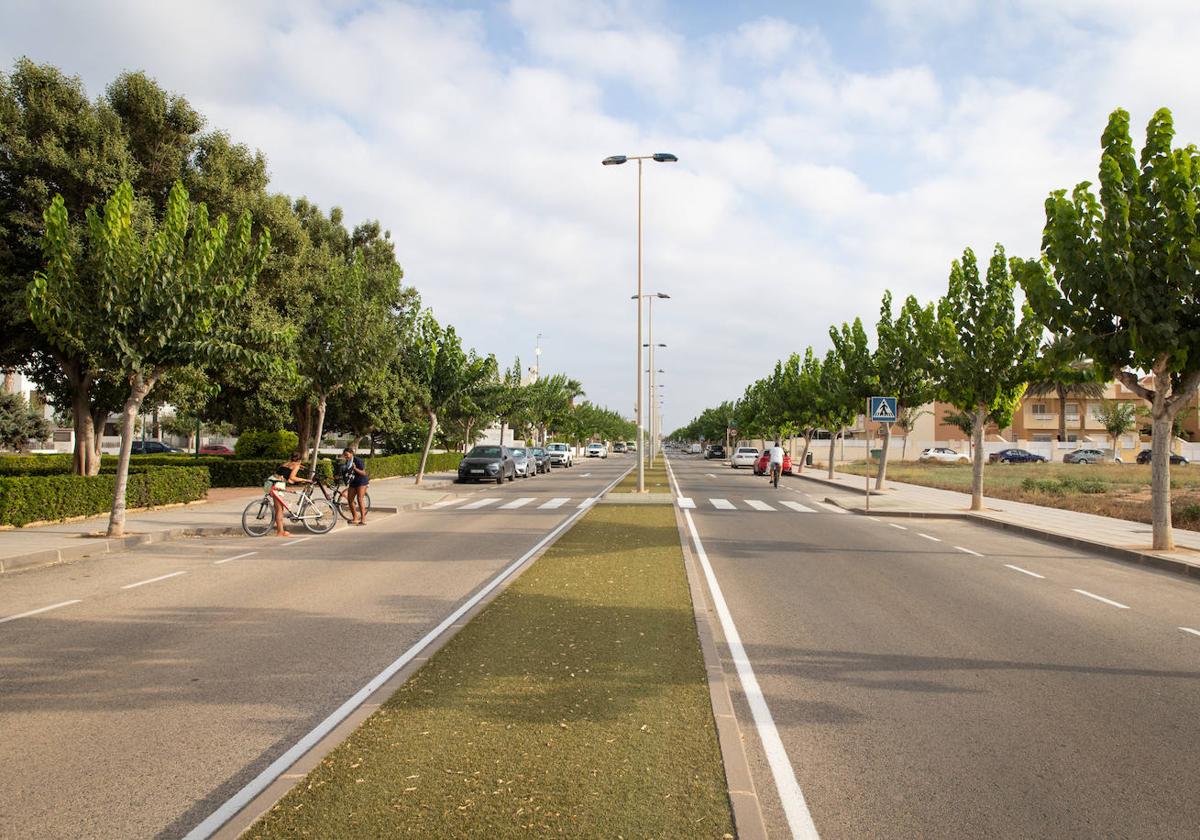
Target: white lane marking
[234,557]
[1026,572]
[709,475]
[722,504]
[277,767]
[926,536]
[37,611]
[1101,599]
[968,551]
[586,475]
[479,503]
[152,580]
[796,506]
[586,503]
[298,540]
[894,525]
[832,508]
[554,503]
[757,504]
[686,503]
[872,518]
[794,807]
[517,503]
[1184,629]
[443,503]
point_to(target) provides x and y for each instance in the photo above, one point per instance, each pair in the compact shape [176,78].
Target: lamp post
[617,160]
[650,296]
[537,359]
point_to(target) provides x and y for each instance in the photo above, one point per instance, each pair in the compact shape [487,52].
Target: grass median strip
[575,704]
[655,479]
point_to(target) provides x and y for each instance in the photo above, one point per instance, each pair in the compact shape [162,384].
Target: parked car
[596,450]
[1015,456]
[487,463]
[764,461]
[154,447]
[1143,457]
[543,459]
[1091,456]
[694,449]
[526,464]
[618,448]
[744,456]
[631,446]
[215,449]
[560,454]
[715,451]
[943,455]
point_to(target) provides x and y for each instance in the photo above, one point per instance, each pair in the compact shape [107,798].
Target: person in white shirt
[776,464]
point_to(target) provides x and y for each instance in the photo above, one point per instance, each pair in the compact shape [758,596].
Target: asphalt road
[182,670]
[938,679]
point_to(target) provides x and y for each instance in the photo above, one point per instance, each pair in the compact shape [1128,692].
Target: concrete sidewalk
[1119,538]
[219,515]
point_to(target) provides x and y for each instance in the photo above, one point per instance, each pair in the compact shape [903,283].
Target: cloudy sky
[827,150]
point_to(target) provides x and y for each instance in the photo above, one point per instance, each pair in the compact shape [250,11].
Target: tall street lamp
[617,160]
[651,296]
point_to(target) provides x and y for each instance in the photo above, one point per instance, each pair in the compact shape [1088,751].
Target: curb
[1125,555]
[54,556]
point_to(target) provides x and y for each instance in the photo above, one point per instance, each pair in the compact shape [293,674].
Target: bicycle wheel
[259,517]
[318,516]
[340,504]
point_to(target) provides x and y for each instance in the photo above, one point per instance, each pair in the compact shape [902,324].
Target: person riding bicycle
[355,472]
[776,464]
[286,474]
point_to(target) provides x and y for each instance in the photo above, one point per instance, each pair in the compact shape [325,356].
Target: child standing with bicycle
[357,480]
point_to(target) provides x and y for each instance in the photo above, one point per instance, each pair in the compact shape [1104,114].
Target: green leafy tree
[508,399]
[19,424]
[906,420]
[799,385]
[1125,279]
[838,401]
[904,347]
[144,302]
[1118,417]
[1063,372]
[549,402]
[985,353]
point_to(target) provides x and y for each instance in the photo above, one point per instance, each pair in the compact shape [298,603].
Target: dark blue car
[1015,456]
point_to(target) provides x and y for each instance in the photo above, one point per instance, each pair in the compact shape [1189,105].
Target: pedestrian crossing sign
[883,409]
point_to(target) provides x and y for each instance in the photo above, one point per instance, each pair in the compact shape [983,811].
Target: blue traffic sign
[883,409]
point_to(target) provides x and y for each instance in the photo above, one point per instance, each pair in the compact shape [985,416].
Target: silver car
[525,462]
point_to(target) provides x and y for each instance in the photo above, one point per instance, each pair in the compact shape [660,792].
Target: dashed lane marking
[234,557]
[926,536]
[55,607]
[968,551]
[894,525]
[1184,629]
[1101,599]
[1026,572]
[152,580]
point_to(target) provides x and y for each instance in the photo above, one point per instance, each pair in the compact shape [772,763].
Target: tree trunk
[502,432]
[85,460]
[316,451]
[1062,413]
[883,456]
[832,441]
[981,414]
[1160,469]
[303,415]
[804,454]
[137,393]
[904,446]
[428,445]
[468,424]
[99,423]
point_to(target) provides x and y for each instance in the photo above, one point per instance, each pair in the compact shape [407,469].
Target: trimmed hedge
[253,444]
[222,471]
[35,464]
[386,466]
[25,499]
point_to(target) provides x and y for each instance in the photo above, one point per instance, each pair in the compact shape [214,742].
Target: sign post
[879,410]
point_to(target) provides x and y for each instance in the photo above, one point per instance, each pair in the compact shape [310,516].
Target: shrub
[245,473]
[30,498]
[386,466]
[223,472]
[35,464]
[1063,486]
[277,446]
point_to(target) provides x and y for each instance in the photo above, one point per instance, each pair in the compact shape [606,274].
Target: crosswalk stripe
[685,502]
[722,504]
[585,503]
[554,503]
[444,503]
[758,504]
[476,505]
[799,508]
[517,503]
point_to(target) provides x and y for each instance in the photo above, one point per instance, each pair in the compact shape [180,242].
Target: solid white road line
[894,525]
[722,504]
[554,503]
[153,580]
[926,536]
[234,557]
[1101,599]
[52,607]
[686,503]
[757,504]
[1184,629]
[794,807]
[299,540]
[479,503]
[799,508]
[517,503]
[1026,572]
[277,767]
[968,551]
[832,508]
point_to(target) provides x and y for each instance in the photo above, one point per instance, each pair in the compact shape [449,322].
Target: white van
[694,449]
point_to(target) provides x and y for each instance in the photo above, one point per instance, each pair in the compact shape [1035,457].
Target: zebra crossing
[758,505]
[494,503]
[497,503]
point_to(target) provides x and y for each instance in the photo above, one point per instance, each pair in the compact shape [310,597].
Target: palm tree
[1063,372]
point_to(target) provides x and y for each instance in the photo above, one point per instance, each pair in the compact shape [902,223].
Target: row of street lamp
[616,160]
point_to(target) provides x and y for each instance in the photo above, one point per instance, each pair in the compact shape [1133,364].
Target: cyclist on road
[776,465]
[357,480]
[286,474]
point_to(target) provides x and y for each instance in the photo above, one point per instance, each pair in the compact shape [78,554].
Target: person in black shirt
[288,473]
[356,485]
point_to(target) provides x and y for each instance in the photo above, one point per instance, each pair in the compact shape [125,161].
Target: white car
[744,456]
[560,454]
[944,455]
[597,450]
[694,449]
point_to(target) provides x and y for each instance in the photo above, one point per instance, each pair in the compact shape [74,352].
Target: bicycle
[338,499]
[317,515]
[776,469]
